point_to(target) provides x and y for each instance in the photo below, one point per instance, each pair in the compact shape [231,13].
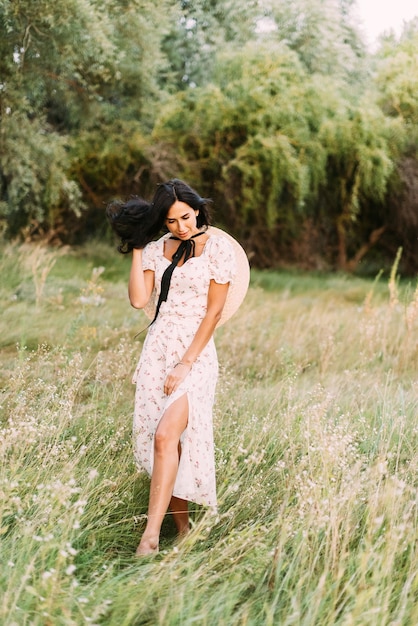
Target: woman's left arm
[216,300]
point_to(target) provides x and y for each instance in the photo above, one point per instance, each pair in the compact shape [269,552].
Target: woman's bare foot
[147,546]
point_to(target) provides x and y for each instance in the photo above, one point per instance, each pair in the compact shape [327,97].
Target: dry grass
[316,443]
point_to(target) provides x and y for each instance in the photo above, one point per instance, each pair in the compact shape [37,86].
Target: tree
[67,68]
[283,149]
[323,33]
[396,81]
[51,58]
[202,28]
[359,166]
[397,75]
[251,141]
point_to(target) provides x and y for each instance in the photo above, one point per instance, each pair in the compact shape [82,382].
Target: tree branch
[363,250]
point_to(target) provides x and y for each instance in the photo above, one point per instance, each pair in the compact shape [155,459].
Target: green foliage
[34,186]
[279,147]
[306,143]
[66,67]
[138,28]
[359,166]
[199,30]
[322,33]
[52,55]
[397,77]
[105,166]
[397,84]
[54,52]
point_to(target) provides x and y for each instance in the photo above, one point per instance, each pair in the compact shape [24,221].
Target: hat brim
[237,289]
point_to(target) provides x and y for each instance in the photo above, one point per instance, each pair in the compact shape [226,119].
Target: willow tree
[111,155]
[359,165]
[283,152]
[397,75]
[325,34]
[51,56]
[396,80]
[251,141]
[198,30]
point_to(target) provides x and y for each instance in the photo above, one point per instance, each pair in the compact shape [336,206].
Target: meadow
[316,445]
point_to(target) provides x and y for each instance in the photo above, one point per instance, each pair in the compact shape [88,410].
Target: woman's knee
[171,426]
[164,440]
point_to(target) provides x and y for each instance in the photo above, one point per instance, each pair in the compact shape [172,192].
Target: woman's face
[181,220]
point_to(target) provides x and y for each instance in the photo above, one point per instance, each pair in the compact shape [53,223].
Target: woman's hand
[216,300]
[176,377]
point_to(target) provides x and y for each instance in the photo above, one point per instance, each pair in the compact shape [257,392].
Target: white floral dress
[167,340]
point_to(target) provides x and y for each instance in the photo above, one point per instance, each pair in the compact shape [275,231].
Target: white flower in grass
[70,570]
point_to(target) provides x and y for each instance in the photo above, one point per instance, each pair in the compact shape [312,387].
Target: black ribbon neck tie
[187,250]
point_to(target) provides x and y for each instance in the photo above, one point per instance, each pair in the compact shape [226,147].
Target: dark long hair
[133,221]
[137,222]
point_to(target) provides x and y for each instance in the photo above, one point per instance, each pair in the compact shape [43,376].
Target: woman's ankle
[183,529]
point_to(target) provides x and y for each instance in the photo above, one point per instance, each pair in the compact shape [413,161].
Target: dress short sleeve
[222,267]
[149,256]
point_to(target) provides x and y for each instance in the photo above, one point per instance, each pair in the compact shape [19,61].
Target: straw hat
[237,289]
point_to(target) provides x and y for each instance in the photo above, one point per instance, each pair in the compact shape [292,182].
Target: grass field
[316,445]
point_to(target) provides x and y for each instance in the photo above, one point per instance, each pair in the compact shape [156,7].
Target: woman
[190,271]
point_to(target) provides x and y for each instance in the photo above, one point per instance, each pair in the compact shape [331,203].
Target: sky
[380,15]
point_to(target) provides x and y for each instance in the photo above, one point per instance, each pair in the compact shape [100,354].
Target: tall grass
[316,448]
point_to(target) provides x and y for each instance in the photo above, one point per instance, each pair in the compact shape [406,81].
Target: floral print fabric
[167,340]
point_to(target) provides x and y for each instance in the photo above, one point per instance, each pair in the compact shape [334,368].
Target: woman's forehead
[178,209]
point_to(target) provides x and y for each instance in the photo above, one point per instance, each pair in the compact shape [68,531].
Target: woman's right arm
[141,282]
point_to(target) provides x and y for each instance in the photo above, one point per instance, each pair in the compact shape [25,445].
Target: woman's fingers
[175,378]
[171,384]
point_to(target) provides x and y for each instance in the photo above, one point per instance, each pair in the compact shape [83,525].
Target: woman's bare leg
[166,462]
[180,511]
